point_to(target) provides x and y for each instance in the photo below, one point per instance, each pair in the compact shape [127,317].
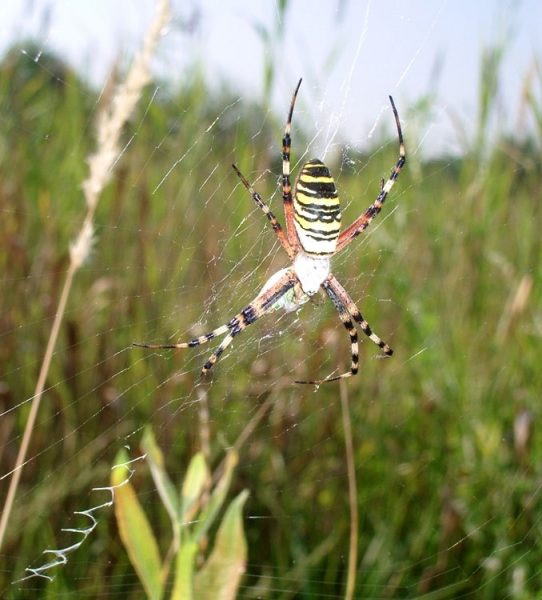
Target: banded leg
[333,284]
[202,339]
[363,221]
[277,228]
[347,322]
[286,184]
[251,313]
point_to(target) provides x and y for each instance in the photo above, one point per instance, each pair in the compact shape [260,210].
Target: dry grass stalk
[101,165]
[515,307]
[352,493]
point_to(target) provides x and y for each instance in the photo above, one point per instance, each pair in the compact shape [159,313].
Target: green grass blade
[155,460]
[184,573]
[220,577]
[218,495]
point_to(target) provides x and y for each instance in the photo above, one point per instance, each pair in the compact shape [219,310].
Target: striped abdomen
[317,212]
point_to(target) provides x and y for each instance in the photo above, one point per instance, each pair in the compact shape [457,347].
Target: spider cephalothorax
[312,237]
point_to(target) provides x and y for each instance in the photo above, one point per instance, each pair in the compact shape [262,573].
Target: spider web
[196,250]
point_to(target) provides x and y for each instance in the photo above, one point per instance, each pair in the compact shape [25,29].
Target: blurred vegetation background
[448,449]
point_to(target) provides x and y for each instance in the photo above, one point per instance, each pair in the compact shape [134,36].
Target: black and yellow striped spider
[312,237]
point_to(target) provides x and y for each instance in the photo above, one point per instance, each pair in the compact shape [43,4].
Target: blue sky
[351,53]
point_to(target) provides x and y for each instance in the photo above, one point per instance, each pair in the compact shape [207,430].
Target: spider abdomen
[317,211]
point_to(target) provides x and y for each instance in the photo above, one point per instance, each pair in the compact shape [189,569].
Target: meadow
[446,445]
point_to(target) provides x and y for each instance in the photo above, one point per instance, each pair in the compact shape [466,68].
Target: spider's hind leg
[202,339]
[346,320]
[240,322]
[337,289]
[210,362]
[371,335]
[347,310]
[271,294]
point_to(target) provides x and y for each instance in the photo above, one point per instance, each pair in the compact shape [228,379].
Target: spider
[312,237]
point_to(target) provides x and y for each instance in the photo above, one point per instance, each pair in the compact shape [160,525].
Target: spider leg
[338,290]
[347,308]
[279,232]
[362,222]
[347,322]
[286,184]
[262,304]
[202,339]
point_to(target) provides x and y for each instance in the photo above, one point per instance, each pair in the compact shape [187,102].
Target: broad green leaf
[195,480]
[134,529]
[218,495]
[183,586]
[166,489]
[221,575]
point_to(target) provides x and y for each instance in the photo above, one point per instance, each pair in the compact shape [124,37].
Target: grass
[447,448]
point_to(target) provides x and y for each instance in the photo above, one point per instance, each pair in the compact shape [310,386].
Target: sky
[351,53]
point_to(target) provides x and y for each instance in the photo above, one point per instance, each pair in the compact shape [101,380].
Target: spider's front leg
[363,221]
[287,199]
[277,228]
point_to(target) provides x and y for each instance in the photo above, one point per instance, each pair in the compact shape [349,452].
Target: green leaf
[134,529]
[166,489]
[195,480]
[218,495]
[221,575]
[184,573]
